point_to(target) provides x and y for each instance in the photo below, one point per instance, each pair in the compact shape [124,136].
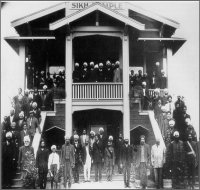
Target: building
[68,32]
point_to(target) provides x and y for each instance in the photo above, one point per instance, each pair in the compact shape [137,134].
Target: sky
[183,69]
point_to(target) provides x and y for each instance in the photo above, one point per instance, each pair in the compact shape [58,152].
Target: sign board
[80,5]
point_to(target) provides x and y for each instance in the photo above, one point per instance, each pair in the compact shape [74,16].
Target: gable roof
[93,7]
[152,15]
[38,14]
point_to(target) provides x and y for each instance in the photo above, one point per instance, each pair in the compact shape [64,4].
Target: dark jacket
[147,154]
[109,154]
[71,154]
[22,154]
[97,152]
[77,154]
[126,155]
[42,160]
[33,125]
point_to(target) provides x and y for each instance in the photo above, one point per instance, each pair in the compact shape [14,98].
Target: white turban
[110,138]
[144,83]
[44,87]
[8,134]
[171,123]
[53,147]
[101,129]
[76,137]
[176,133]
[92,132]
[27,138]
[34,104]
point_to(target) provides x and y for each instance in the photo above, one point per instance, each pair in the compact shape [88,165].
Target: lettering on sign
[83,5]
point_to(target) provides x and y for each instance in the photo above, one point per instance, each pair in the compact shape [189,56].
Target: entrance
[136,133]
[96,48]
[110,120]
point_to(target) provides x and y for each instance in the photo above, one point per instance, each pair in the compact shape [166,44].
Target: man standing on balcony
[108,72]
[163,80]
[68,161]
[84,73]
[117,73]
[119,148]
[92,73]
[101,73]
[145,98]
[76,73]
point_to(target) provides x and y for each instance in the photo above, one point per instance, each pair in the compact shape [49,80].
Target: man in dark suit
[97,158]
[126,156]
[77,148]
[12,117]
[101,73]
[24,133]
[83,138]
[108,72]
[145,98]
[68,161]
[119,148]
[163,80]
[154,81]
[42,164]
[33,125]
[76,75]
[84,73]
[92,73]
[37,98]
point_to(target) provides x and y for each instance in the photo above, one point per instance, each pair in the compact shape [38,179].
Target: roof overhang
[14,41]
[96,7]
[174,43]
[38,14]
[154,16]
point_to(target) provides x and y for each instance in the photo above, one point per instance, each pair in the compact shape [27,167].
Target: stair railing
[37,137]
[155,127]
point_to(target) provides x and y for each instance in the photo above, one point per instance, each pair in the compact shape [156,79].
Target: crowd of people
[110,72]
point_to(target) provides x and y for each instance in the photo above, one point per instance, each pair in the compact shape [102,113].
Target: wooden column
[145,63]
[68,86]
[168,62]
[22,61]
[126,111]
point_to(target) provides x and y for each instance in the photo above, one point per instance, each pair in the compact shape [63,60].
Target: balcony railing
[97,91]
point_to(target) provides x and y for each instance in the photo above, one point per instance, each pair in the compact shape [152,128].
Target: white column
[168,62]
[22,61]
[126,115]
[68,86]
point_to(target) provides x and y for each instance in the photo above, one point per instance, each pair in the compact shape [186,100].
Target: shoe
[84,181]
[88,181]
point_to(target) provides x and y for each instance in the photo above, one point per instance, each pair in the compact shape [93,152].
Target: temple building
[66,33]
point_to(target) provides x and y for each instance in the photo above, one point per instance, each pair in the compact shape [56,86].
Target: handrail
[37,137]
[156,128]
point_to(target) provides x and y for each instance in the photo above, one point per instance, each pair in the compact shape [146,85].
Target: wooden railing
[96,91]
[151,92]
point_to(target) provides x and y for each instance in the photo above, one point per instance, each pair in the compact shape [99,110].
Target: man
[101,73]
[18,101]
[68,161]
[49,81]
[72,137]
[37,80]
[163,80]
[83,138]
[37,98]
[164,98]
[76,73]
[176,157]
[87,160]
[25,103]
[108,72]
[84,73]
[157,160]
[145,78]
[154,81]
[132,79]
[24,155]
[190,147]
[109,157]
[42,79]
[97,158]
[33,125]
[126,156]
[8,156]
[23,133]
[92,139]
[143,161]
[102,137]
[92,73]
[42,164]
[78,159]
[190,130]
[169,106]
[12,117]
[145,98]
[119,148]
[36,112]
[54,166]
[117,73]
[168,134]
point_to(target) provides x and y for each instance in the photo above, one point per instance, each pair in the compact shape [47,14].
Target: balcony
[97,91]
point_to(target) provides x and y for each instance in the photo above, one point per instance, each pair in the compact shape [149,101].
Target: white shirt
[158,155]
[88,158]
[84,137]
[11,118]
[144,91]
[54,159]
